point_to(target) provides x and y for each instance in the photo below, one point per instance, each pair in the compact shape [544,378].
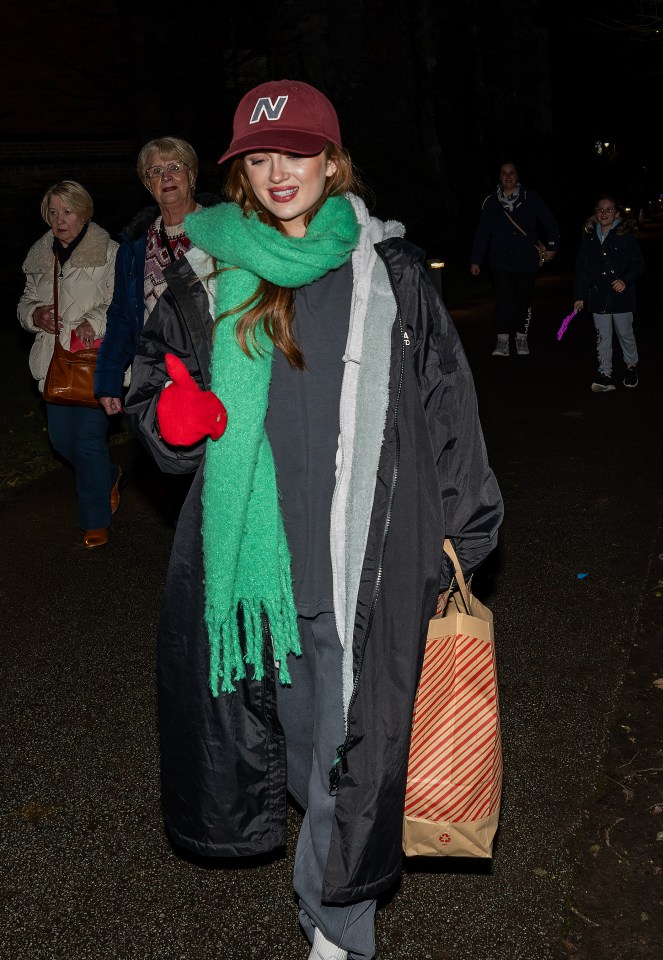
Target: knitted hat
[283,115]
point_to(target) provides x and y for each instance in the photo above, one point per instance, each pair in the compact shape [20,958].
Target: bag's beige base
[421,838]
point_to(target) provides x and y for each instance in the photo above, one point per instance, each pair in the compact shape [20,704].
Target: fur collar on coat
[92,251]
[624,226]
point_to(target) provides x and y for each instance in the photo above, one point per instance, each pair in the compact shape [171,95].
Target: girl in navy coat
[609,262]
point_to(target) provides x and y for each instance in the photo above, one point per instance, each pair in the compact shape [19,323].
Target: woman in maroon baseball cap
[303,364]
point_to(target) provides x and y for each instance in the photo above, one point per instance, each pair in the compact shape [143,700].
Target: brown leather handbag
[70,376]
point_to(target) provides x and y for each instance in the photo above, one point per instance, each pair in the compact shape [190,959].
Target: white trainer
[323,949]
[521,344]
[502,345]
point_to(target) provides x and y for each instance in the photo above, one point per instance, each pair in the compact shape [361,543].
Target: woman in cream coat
[86,257]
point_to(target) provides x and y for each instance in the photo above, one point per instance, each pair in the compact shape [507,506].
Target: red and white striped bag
[454,774]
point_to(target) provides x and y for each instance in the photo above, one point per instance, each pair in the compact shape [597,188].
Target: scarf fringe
[227,662]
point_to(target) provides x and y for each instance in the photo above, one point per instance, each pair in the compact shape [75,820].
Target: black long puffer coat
[224,760]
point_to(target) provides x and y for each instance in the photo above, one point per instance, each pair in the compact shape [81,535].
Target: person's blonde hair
[74,195]
[272,305]
[169,148]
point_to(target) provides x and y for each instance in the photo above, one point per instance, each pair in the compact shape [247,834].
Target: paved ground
[87,873]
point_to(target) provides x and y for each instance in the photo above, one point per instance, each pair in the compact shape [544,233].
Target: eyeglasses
[154,173]
[604,209]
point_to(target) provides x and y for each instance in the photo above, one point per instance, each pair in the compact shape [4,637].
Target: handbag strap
[518,227]
[55,291]
[192,319]
[464,589]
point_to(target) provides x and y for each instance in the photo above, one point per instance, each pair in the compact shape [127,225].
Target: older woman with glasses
[155,238]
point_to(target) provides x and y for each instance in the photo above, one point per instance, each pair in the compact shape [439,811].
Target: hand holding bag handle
[70,376]
[458,575]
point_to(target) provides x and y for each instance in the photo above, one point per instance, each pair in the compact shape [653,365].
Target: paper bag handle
[464,590]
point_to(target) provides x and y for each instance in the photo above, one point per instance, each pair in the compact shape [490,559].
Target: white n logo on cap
[271,110]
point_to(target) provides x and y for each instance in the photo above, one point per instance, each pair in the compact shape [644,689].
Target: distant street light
[605,148]
[435,268]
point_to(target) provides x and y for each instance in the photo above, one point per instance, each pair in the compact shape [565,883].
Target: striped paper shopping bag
[455,765]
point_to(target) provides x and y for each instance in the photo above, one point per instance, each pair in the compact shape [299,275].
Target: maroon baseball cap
[283,115]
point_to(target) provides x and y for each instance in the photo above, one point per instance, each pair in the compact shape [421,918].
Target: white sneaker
[323,949]
[502,345]
[521,344]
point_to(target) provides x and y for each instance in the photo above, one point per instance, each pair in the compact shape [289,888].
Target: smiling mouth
[283,194]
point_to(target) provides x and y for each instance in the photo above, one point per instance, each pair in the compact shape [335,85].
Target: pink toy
[565,323]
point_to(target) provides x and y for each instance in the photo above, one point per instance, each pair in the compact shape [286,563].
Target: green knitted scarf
[245,553]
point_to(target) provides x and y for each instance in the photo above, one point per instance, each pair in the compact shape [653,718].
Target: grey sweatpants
[311,713]
[623,323]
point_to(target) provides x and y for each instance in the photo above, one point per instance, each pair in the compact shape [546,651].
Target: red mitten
[186,413]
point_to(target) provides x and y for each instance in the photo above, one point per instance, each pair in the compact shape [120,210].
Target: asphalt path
[86,870]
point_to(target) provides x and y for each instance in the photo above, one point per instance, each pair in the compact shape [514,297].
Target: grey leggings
[623,324]
[311,713]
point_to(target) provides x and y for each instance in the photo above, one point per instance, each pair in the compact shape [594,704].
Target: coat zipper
[340,764]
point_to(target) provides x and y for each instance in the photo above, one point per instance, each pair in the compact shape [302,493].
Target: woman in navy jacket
[508,232]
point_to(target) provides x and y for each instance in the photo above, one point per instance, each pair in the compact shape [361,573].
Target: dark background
[432,97]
